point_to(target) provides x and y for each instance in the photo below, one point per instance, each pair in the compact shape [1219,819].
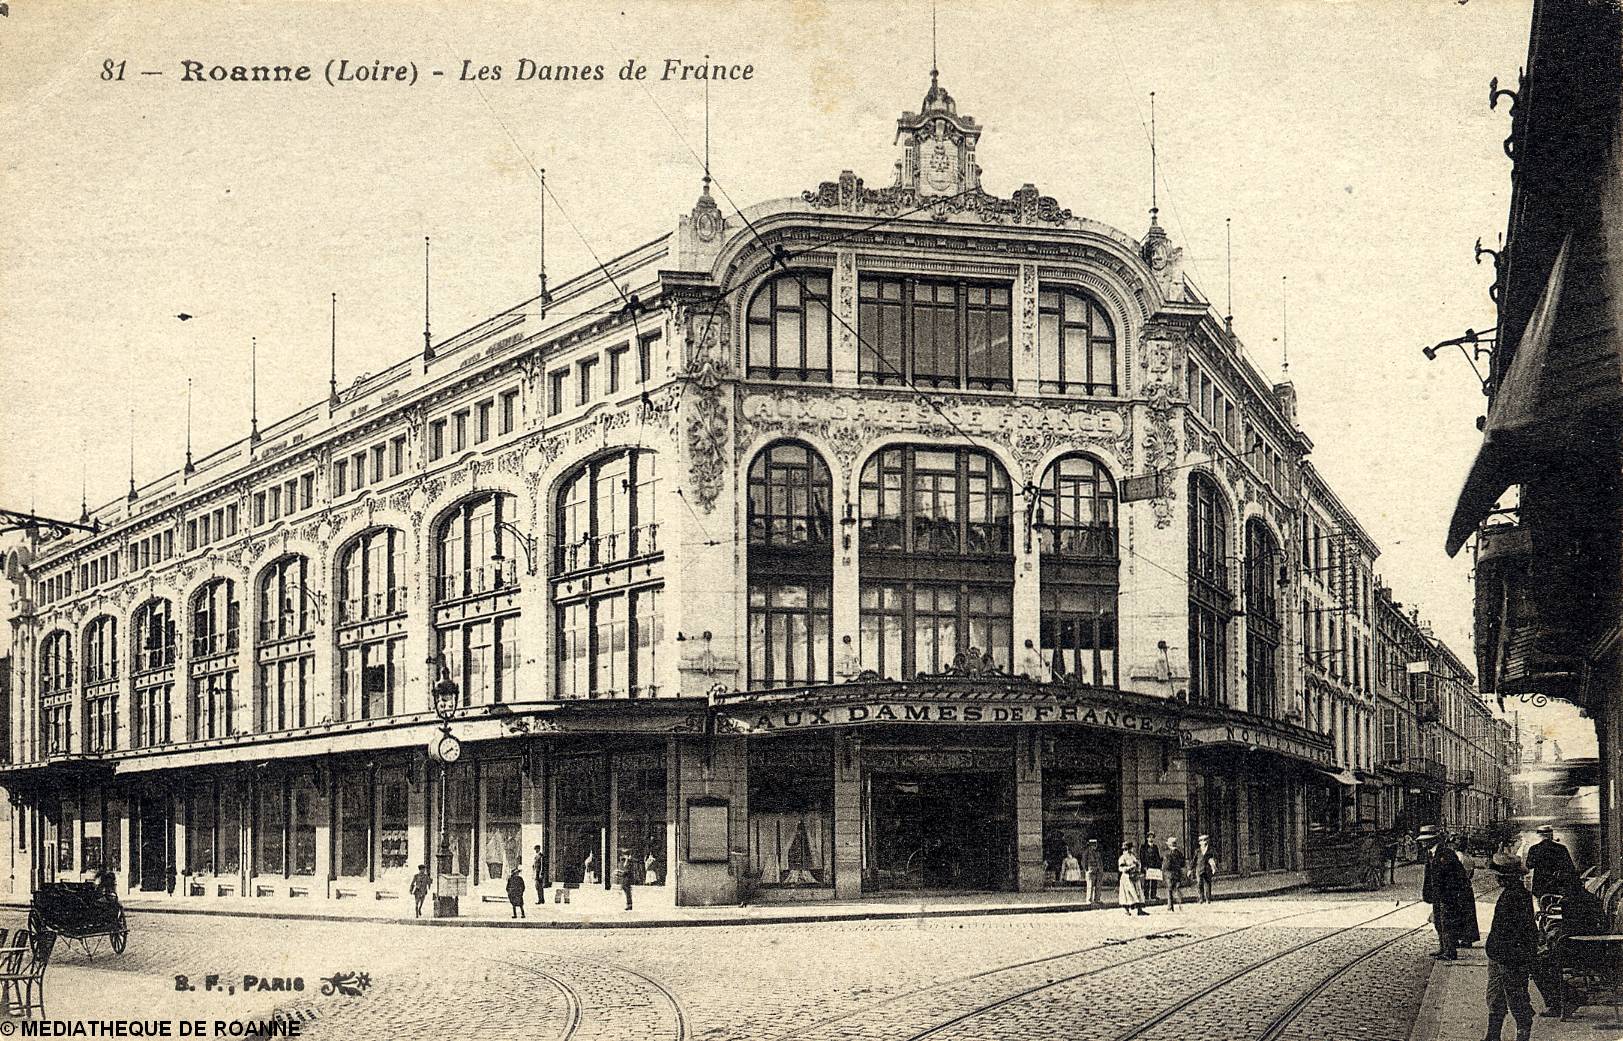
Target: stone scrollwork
[1027,206]
[707,429]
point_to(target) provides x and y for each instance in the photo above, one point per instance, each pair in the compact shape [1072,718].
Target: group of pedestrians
[1515,953]
[1142,871]
[621,879]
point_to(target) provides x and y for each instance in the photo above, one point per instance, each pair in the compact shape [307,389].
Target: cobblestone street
[1319,966]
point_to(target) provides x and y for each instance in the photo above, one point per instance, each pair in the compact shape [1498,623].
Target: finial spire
[132,455]
[1228,235]
[545,298]
[428,343]
[1155,204]
[933,70]
[190,469]
[1284,327]
[253,390]
[707,132]
[84,503]
[332,377]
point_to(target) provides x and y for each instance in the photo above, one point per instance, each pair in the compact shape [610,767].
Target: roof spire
[1284,328]
[1155,207]
[253,390]
[707,133]
[190,469]
[933,70]
[428,343]
[132,454]
[332,378]
[84,504]
[545,298]
[1228,235]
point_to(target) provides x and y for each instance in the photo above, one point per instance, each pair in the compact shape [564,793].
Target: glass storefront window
[791,803]
[459,806]
[640,789]
[65,829]
[499,830]
[200,830]
[394,798]
[270,830]
[230,832]
[581,792]
[354,824]
[305,800]
[1081,801]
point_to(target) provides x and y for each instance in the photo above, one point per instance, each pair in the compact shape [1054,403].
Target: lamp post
[445,749]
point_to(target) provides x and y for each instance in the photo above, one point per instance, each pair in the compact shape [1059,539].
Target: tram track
[576,1007]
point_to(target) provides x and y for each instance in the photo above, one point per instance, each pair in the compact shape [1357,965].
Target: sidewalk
[1455,1006]
[593,909]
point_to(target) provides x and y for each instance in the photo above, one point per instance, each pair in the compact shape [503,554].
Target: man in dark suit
[1550,863]
[1447,889]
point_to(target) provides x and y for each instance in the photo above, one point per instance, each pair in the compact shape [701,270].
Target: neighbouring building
[871,539]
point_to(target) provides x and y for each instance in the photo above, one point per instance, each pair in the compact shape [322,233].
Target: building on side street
[867,540]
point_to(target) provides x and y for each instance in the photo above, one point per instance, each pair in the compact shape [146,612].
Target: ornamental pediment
[1027,207]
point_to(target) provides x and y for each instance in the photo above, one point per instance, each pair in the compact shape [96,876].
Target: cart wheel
[120,939]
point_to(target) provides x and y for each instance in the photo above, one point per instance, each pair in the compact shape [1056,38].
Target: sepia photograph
[795,520]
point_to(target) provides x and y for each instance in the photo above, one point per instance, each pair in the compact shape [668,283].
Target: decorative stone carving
[707,427]
[1027,206]
[1028,309]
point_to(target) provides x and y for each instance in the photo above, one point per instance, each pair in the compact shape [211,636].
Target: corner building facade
[868,540]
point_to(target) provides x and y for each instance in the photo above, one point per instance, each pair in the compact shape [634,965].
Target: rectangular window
[354,813]
[307,491]
[509,413]
[191,535]
[271,829]
[645,357]
[397,456]
[617,361]
[459,430]
[481,426]
[339,474]
[556,382]
[230,528]
[585,372]
[377,463]
[290,495]
[436,439]
[394,796]
[357,470]
[274,501]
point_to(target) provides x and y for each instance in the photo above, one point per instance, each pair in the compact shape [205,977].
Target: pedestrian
[622,875]
[1172,866]
[419,888]
[1070,869]
[540,869]
[1512,948]
[1093,869]
[1149,855]
[1550,863]
[515,891]
[1205,869]
[1448,891]
[1128,893]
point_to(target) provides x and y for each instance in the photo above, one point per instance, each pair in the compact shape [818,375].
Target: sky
[1350,144]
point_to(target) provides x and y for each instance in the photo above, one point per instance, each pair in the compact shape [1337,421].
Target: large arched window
[371,632]
[1211,598]
[1261,620]
[152,657]
[284,654]
[937,564]
[1077,344]
[607,579]
[215,625]
[1076,527]
[101,684]
[56,692]
[476,616]
[789,328]
[934,332]
[791,567]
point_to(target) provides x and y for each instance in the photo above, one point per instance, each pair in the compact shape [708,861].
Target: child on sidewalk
[1512,949]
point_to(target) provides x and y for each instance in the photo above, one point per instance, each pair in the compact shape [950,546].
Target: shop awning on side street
[1520,413]
[1344,777]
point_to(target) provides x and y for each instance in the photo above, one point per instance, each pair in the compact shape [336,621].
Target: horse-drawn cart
[1353,859]
[82,913]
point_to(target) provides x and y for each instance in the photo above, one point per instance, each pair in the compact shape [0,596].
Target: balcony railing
[101,672]
[214,643]
[490,578]
[1087,541]
[155,658]
[1417,765]
[610,548]
[284,627]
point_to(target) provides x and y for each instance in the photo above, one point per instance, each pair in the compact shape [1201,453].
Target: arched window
[937,564]
[476,618]
[371,633]
[1262,620]
[609,628]
[56,692]
[1211,598]
[789,328]
[101,684]
[791,567]
[1076,528]
[285,654]
[152,656]
[215,625]
[1077,343]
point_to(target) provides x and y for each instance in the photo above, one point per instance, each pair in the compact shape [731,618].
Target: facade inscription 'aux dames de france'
[762,529]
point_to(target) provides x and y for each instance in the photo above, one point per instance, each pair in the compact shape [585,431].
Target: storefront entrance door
[938,831]
[154,844]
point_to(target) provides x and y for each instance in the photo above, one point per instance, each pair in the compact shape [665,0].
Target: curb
[666,923]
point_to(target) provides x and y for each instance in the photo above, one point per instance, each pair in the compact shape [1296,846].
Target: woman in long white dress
[1129,891]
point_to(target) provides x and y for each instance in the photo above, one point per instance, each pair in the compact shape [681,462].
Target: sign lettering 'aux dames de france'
[805,717]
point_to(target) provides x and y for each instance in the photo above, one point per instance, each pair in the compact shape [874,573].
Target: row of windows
[55,587]
[291,496]
[101,569]
[593,375]
[473,425]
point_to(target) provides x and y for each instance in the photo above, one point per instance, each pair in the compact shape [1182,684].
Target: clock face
[450,749]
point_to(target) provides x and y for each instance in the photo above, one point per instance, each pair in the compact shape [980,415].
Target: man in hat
[1172,868]
[1448,890]
[1512,950]
[1205,868]
[1550,863]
